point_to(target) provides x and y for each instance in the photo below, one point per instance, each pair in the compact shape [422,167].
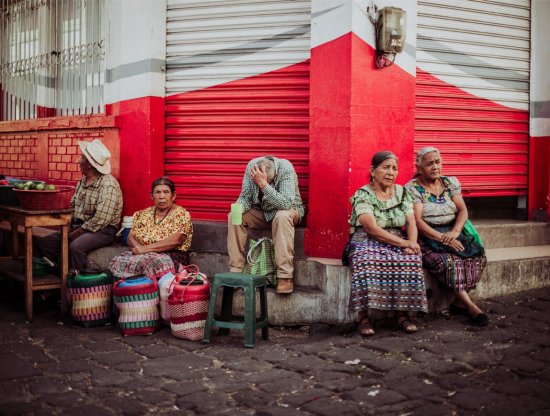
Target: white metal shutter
[472,95]
[237,87]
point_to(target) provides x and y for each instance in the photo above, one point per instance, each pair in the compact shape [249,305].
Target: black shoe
[457,310]
[480,320]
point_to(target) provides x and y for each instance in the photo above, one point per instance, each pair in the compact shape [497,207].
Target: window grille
[51,58]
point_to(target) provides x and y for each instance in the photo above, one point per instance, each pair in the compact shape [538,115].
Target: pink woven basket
[34,200]
[188,306]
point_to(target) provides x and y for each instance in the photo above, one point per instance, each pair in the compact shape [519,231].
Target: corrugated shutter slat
[472,94]
[237,88]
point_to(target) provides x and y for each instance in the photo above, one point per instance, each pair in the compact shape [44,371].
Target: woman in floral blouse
[160,237]
[385,261]
[449,253]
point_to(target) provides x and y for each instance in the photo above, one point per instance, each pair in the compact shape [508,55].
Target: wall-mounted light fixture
[390,25]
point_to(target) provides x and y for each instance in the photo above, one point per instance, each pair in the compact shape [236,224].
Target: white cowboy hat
[97,154]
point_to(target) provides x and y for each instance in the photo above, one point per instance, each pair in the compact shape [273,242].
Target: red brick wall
[63,154]
[18,155]
[47,148]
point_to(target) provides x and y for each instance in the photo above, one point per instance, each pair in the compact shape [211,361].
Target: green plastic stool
[226,321]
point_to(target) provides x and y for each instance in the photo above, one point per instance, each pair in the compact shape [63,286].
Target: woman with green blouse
[383,253]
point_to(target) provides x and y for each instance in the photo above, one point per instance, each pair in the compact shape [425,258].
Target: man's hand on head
[259,176]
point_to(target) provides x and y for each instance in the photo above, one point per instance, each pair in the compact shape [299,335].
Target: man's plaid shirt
[98,203]
[282,194]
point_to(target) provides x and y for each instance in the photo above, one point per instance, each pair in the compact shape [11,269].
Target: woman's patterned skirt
[152,265]
[385,278]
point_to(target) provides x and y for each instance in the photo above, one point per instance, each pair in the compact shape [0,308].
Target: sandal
[364,327]
[406,324]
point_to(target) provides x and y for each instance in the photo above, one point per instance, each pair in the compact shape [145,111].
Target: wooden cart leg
[28,272]
[64,267]
[14,240]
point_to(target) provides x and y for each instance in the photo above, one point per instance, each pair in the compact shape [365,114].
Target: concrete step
[500,233]
[514,269]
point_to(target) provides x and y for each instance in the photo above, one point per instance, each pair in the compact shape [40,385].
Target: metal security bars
[51,58]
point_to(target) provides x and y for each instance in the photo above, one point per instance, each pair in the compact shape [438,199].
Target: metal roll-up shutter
[472,91]
[237,87]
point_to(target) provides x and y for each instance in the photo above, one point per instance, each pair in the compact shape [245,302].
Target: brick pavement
[447,368]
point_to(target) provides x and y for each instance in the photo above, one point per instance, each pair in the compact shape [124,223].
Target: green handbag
[470,230]
[261,260]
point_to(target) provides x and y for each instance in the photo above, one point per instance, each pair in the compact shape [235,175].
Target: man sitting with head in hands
[271,199]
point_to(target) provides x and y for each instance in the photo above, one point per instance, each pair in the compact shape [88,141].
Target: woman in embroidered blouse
[451,255]
[385,262]
[160,236]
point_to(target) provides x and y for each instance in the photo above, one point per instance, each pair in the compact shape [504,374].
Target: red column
[141,131]
[356,110]
[539,178]
[539,123]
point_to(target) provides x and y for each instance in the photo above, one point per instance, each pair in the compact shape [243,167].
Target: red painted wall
[356,110]
[141,129]
[539,178]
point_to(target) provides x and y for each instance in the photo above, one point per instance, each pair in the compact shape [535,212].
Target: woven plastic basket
[34,200]
[7,193]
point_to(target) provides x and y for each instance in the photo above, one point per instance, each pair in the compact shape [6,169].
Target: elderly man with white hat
[97,205]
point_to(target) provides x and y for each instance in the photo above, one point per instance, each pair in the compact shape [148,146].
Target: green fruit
[20,185]
[50,188]
[40,187]
[32,185]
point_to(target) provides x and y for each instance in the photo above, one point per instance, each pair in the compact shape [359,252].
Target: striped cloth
[384,278]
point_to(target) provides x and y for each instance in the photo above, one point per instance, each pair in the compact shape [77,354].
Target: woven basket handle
[258,245]
[193,277]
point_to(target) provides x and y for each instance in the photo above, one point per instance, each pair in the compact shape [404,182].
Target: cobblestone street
[446,368]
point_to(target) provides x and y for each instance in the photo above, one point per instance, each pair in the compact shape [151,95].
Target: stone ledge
[517,253]
[498,234]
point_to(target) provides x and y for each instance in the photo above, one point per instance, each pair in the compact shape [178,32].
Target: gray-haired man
[270,199]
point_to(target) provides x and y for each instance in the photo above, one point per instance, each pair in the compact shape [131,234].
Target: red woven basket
[34,200]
